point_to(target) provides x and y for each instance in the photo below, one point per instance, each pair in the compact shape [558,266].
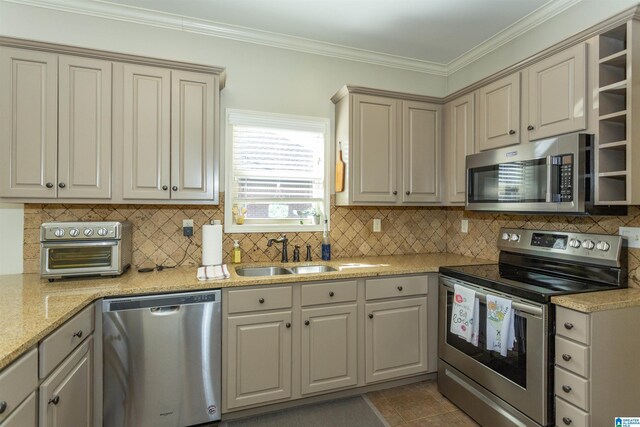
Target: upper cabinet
[499,113]
[391,147]
[101,128]
[459,142]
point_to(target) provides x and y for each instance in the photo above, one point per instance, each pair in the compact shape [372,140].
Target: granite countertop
[599,301]
[31,308]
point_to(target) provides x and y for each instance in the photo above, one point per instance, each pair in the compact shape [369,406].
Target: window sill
[275,228]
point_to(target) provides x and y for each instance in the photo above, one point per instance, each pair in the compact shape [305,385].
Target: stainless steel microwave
[552,175]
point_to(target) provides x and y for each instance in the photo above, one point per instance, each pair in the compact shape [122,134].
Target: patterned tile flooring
[418,404]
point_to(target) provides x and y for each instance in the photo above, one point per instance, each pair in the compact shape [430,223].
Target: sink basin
[311,269]
[262,271]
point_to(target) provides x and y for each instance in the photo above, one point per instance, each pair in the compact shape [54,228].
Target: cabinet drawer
[61,343]
[572,388]
[325,293]
[259,299]
[24,416]
[17,381]
[572,324]
[569,415]
[577,355]
[396,287]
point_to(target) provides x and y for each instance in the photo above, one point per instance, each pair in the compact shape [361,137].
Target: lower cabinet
[25,415]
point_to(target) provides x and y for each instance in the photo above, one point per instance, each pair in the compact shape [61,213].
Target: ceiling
[437,31]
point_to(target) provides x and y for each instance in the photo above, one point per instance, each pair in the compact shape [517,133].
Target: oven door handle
[57,245]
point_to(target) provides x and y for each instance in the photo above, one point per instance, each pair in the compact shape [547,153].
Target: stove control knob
[515,237]
[588,244]
[74,232]
[59,232]
[574,243]
[102,232]
[88,232]
[603,246]
[506,236]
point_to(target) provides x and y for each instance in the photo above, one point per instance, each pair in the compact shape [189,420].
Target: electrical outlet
[377,225]
[464,226]
[187,227]
[631,236]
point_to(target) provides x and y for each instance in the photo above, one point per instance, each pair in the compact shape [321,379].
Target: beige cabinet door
[146,132]
[375,136]
[84,132]
[395,338]
[421,127]
[28,123]
[66,396]
[329,348]
[192,135]
[499,113]
[557,94]
[258,359]
[459,143]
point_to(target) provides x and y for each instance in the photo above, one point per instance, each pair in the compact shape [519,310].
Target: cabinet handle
[54,400]
[62,185]
[400,288]
[306,323]
[174,188]
[165,188]
[78,334]
[331,294]
[530,127]
[566,388]
[261,300]
[288,325]
[566,420]
[512,132]
[49,184]
[371,316]
[407,192]
[568,325]
[566,357]
[3,407]
[395,192]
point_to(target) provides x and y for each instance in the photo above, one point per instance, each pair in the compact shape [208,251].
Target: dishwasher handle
[160,301]
[163,311]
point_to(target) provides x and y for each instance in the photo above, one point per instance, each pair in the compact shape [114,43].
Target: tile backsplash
[157,235]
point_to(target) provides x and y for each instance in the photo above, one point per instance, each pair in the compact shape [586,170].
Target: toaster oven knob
[102,232]
[59,232]
[574,243]
[88,232]
[74,232]
[506,236]
[515,237]
[603,246]
[588,244]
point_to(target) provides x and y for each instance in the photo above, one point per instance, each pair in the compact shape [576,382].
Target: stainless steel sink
[311,269]
[262,271]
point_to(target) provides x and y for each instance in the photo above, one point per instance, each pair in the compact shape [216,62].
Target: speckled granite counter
[599,301]
[31,308]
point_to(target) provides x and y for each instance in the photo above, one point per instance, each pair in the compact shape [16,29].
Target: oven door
[520,378]
[59,259]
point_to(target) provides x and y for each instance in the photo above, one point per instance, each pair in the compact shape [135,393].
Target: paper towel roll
[212,244]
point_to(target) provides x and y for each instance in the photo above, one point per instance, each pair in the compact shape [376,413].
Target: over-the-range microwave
[549,176]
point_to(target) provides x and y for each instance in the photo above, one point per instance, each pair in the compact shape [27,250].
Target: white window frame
[293,226]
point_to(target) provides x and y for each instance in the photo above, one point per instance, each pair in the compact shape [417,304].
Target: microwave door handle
[49,245]
[549,195]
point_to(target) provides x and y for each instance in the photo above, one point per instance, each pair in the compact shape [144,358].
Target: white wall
[11,236]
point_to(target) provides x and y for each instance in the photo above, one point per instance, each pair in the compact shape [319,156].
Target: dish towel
[213,272]
[500,328]
[462,312]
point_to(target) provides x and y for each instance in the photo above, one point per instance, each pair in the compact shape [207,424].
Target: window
[277,172]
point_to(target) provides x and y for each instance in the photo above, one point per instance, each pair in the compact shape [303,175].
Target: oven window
[513,366]
[516,182]
[73,257]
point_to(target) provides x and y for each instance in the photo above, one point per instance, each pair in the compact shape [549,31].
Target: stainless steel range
[515,388]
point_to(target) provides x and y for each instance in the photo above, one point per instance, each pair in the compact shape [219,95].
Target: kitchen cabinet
[25,415]
[459,142]
[18,382]
[391,145]
[499,113]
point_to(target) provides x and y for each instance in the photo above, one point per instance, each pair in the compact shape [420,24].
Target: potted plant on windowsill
[312,213]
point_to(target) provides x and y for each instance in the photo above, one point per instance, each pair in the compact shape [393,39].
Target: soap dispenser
[236,254]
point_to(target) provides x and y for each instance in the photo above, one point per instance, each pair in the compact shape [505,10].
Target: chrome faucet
[282,239]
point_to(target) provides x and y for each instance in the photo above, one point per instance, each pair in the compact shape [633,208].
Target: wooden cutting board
[340,171]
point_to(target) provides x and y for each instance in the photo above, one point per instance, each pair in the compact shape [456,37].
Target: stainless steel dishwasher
[162,360]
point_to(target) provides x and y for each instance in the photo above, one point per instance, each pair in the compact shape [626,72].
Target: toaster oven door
[79,258]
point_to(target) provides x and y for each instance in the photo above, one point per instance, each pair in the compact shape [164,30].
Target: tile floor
[418,404]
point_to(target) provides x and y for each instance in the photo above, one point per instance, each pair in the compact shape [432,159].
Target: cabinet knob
[3,407]
[331,294]
[568,325]
[530,127]
[566,420]
[407,192]
[55,399]
[566,388]
[174,188]
[395,192]
[306,323]
[400,288]
[371,316]
[566,357]
[78,334]
[165,188]
[49,184]
[62,185]
[512,132]
[288,325]
[261,300]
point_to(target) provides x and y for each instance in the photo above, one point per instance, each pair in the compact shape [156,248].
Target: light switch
[377,225]
[631,236]
[464,226]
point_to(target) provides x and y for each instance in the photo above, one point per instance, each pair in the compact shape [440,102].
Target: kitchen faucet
[282,239]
